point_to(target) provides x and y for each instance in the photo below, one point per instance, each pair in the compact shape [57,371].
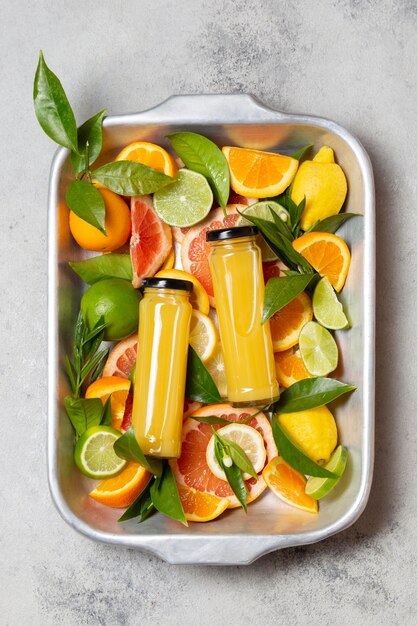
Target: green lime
[94,453]
[262,210]
[319,487]
[117,301]
[318,349]
[185,202]
[327,308]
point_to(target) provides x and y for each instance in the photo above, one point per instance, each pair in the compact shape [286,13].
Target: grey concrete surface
[350,60]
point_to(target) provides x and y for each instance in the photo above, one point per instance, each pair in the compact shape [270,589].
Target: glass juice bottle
[236,271]
[158,401]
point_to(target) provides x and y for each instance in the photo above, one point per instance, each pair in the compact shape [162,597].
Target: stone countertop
[350,60]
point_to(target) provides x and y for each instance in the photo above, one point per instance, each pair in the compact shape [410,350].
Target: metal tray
[235,538]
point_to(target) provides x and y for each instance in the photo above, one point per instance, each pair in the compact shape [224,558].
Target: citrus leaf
[280,224]
[92,132]
[210,419]
[129,178]
[85,200]
[106,416]
[83,413]
[103,266]
[333,223]
[292,454]
[199,385]
[297,155]
[203,156]
[233,474]
[281,290]
[310,393]
[135,509]
[52,108]
[238,456]
[165,496]
[127,447]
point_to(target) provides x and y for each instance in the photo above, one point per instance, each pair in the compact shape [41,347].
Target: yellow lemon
[314,431]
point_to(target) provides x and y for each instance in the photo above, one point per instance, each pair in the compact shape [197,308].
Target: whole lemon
[314,431]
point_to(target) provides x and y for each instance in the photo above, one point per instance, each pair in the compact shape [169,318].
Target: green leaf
[333,223]
[297,213]
[92,132]
[211,419]
[103,266]
[281,225]
[129,178]
[92,363]
[280,291]
[146,508]
[292,454]
[86,201]
[71,373]
[233,474]
[52,108]
[127,447]
[83,412]
[106,416]
[135,509]
[309,393]
[238,456]
[203,156]
[199,385]
[297,155]
[165,496]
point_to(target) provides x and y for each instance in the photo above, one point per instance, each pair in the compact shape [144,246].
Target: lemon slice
[198,298]
[215,366]
[248,438]
[203,335]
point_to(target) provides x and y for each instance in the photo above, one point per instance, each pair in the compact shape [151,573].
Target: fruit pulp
[238,283]
[164,326]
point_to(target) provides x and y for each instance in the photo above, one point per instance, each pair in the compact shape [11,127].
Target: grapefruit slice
[151,239]
[192,470]
[122,358]
[195,249]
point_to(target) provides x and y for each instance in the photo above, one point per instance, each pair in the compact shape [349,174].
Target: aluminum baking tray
[235,538]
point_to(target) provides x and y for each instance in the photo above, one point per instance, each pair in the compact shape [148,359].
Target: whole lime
[117,301]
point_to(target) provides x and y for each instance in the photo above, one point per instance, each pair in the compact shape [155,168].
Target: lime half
[94,453]
[327,308]
[319,487]
[262,210]
[318,349]
[185,202]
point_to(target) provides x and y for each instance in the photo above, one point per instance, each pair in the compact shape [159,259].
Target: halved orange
[327,253]
[289,367]
[118,388]
[257,174]
[151,155]
[287,323]
[199,506]
[288,485]
[123,489]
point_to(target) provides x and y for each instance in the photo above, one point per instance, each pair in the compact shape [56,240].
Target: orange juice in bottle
[158,400]
[238,283]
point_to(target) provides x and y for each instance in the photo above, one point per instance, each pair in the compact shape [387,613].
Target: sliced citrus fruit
[319,487]
[94,454]
[124,488]
[248,438]
[288,485]
[263,211]
[195,249]
[215,366]
[287,323]
[151,239]
[118,388]
[272,269]
[191,468]
[318,349]
[290,368]
[151,155]
[198,298]
[169,261]
[326,307]
[203,335]
[184,202]
[314,431]
[254,173]
[199,506]
[122,358]
[190,406]
[327,253]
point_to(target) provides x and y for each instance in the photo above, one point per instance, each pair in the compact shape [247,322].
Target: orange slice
[290,368]
[327,253]
[124,488]
[118,388]
[287,323]
[122,358]
[151,155]
[257,174]
[288,485]
[198,298]
[199,506]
